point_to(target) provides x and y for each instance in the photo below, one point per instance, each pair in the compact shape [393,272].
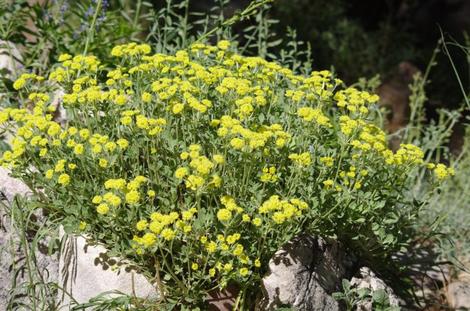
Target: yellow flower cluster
[131,49]
[23,79]
[441,171]
[162,227]
[269,175]
[301,159]
[152,126]
[241,137]
[355,100]
[230,208]
[127,192]
[313,114]
[200,167]
[282,210]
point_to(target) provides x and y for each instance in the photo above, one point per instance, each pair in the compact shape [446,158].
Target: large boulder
[305,273]
[80,270]
[86,271]
[19,268]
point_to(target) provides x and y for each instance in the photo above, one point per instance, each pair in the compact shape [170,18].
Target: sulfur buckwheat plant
[198,166]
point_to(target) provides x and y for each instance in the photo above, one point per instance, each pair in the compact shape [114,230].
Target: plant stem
[91,30]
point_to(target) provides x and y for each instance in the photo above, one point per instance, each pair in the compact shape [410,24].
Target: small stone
[366,278]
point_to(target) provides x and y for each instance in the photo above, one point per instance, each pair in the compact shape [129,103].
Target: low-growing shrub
[198,166]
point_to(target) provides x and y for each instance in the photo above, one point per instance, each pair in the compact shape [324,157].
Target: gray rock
[79,269]
[304,274]
[458,295]
[10,59]
[60,114]
[367,279]
[86,271]
[9,186]
[16,270]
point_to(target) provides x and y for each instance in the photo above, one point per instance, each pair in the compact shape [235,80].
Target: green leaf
[338,296]
[380,297]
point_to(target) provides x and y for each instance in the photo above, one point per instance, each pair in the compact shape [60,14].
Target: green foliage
[198,166]
[352,297]
[367,196]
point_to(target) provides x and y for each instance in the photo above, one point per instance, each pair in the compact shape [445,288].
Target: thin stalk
[246,13]
[91,30]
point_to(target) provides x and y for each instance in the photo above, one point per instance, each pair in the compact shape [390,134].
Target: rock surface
[367,279]
[458,295]
[304,274]
[85,271]
[12,253]
[82,270]
[9,186]
[10,59]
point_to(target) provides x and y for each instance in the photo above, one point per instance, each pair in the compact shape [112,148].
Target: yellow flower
[328,183]
[102,209]
[64,57]
[224,214]
[177,108]
[146,97]
[103,163]
[132,197]
[442,172]
[168,234]
[84,133]
[212,272]
[20,83]
[257,263]
[223,44]
[151,193]
[237,143]
[112,199]
[211,247]
[302,159]
[194,182]
[328,161]
[64,179]
[96,149]
[141,225]
[49,174]
[97,199]
[194,266]
[244,272]
[82,225]
[122,143]
[118,184]
[257,222]
[120,99]
[218,158]
[181,172]
[126,120]
[148,239]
